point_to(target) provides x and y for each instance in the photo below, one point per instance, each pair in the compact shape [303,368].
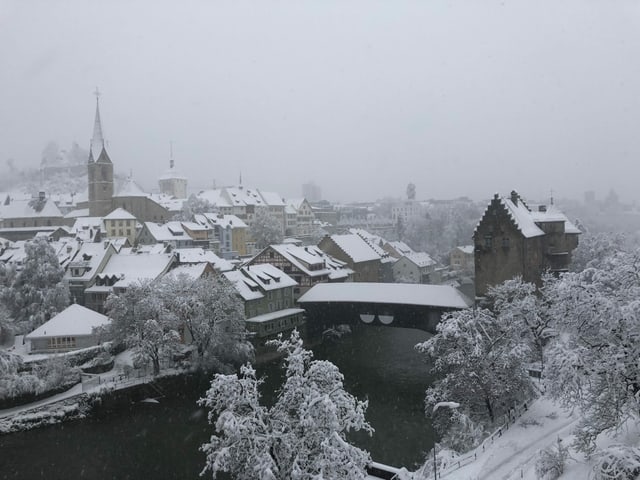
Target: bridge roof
[392,293]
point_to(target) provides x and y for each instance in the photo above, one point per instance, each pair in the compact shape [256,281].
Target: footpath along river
[161,441]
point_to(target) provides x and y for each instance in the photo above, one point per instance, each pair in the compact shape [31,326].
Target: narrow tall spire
[97,141]
[171,162]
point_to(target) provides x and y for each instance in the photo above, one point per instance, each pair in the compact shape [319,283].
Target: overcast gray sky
[459,97]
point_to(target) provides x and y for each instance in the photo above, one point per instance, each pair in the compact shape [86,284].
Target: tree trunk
[487,402]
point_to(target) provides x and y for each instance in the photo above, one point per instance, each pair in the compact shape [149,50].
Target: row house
[306,265]
[81,272]
[416,267]
[124,269]
[300,218]
[170,233]
[461,259]
[244,202]
[269,302]
[515,239]
[121,224]
[227,233]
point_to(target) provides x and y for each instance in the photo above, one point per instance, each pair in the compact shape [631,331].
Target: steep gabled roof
[131,189]
[355,247]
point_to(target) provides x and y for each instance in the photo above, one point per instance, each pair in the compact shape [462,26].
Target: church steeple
[99,170]
[97,141]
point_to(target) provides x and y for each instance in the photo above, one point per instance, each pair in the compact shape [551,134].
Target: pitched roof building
[513,238]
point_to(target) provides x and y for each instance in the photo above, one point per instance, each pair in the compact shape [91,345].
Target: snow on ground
[513,454]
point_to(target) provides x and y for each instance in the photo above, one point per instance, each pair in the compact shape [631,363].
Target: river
[160,441]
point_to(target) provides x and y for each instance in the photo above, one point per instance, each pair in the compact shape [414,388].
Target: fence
[509,419]
[123,376]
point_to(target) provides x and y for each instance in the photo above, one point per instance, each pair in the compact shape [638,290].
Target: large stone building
[515,239]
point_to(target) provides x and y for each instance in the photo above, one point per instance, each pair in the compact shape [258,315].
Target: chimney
[542,208]
[514,197]
[40,196]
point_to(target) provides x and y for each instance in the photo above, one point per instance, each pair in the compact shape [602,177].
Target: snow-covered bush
[617,462]
[463,433]
[56,372]
[302,436]
[551,461]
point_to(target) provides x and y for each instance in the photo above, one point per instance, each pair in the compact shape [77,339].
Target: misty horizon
[359,97]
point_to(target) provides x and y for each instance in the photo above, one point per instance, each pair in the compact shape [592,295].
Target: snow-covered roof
[247,288]
[355,247]
[305,257]
[164,232]
[131,189]
[296,202]
[168,201]
[193,271]
[527,219]
[120,214]
[88,257]
[134,268]
[522,217]
[78,213]
[199,255]
[400,293]
[421,259]
[268,277]
[551,213]
[272,199]
[224,221]
[265,317]
[401,247]
[73,321]
[25,209]
[467,249]
[240,196]
[172,174]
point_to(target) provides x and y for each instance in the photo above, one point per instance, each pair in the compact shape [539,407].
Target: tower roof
[97,140]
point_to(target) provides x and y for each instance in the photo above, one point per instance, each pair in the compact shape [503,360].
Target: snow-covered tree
[617,462]
[441,227]
[37,292]
[194,205]
[266,229]
[210,310]
[517,303]
[302,436]
[594,248]
[142,322]
[477,361]
[594,362]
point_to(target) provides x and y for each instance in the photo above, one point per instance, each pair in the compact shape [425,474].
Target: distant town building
[514,239]
[311,192]
[172,183]
[461,259]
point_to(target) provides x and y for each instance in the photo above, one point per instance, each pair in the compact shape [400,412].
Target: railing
[509,419]
[124,376]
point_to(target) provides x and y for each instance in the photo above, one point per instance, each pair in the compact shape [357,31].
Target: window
[505,242]
[488,241]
